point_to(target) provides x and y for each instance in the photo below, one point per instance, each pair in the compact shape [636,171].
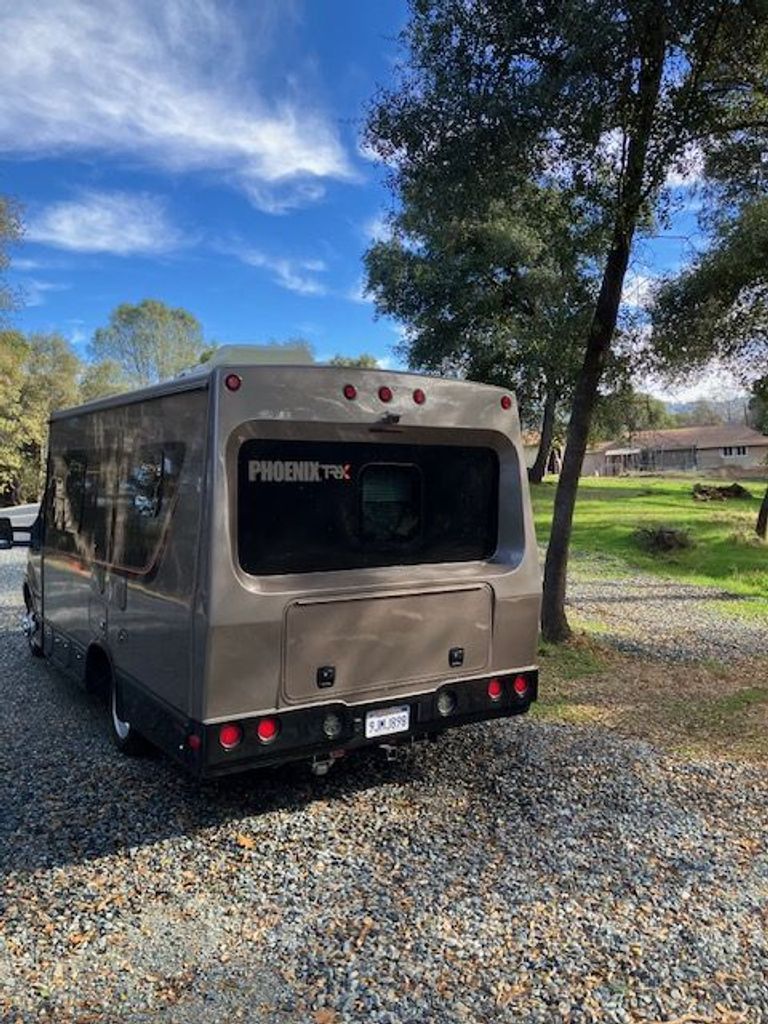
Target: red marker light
[520,686]
[267,729]
[350,392]
[385,393]
[233,381]
[506,402]
[194,742]
[419,397]
[495,689]
[230,735]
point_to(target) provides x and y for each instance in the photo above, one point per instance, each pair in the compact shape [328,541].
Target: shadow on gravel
[67,796]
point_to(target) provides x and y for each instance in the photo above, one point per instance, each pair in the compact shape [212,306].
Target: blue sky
[206,153]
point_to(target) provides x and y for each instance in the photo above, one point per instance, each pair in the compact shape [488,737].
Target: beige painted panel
[385,640]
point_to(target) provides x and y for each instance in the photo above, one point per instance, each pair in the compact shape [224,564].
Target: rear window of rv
[314,506]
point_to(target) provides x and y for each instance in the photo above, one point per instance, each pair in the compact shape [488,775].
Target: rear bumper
[301,735]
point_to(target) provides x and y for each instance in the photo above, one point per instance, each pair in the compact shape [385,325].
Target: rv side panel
[123,509]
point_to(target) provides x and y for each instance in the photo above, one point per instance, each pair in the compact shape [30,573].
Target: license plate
[386,721]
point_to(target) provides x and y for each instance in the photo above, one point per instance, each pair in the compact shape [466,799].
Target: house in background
[531,450]
[729,450]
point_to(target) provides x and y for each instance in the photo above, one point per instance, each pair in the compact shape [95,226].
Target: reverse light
[350,392]
[267,729]
[520,686]
[419,397]
[446,703]
[385,393]
[332,725]
[506,402]
[230,735]
[495,689]
[233,381]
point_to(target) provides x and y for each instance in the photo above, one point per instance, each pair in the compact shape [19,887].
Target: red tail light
[506,402]
[495,689]
[230,735]
[233,381]
[419,397]
[350,392]
[520,686]
[267,729]
[385,393]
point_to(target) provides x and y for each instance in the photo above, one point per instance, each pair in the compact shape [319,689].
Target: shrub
[659,540]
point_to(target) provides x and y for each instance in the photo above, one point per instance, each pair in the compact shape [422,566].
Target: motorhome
[264,563]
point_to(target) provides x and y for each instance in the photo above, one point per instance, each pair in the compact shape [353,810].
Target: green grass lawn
[726,551]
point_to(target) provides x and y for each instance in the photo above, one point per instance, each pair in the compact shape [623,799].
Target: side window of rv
[65,499]
[74,487]
[97,508]
[146,495]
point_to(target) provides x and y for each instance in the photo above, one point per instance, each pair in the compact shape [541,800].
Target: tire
[124,736]
[33,633]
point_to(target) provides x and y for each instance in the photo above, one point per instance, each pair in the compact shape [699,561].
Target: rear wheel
[124,735]
[32,628]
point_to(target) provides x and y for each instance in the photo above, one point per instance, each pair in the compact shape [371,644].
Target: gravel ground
[512,872]
[656,618]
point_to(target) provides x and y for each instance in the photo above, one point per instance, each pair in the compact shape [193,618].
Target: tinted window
[65,494]
[309,506]
[97,509]
[391,503]
[145,498]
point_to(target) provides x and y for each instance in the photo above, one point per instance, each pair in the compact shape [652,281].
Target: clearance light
[446,703]
[385,393]
[194,742]
[267,729]
[506,402]
[233,381]
[230,736]
[495,689]
[350,392]
[520,686]
[419,397]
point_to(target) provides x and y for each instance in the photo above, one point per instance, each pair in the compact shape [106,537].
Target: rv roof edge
[168,387]
[199,377]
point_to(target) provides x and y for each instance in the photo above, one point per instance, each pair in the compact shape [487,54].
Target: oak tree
[607,100]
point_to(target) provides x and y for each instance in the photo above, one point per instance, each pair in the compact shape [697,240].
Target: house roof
[719,436]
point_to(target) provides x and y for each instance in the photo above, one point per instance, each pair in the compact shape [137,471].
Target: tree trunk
[554,623]
[761,529]
[539,468]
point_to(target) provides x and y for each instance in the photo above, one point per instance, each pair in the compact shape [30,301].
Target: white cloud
[34,292]
[123,223]
[357,293]
[638,290]
[170,84]
[688,170]
[718,383]
[377,229]
[296,275]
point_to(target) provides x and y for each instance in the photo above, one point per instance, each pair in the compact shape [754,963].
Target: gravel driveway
[512,872]
[643,614]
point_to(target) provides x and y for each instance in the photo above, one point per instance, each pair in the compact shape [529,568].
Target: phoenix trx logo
[280,472]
